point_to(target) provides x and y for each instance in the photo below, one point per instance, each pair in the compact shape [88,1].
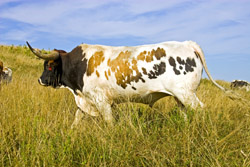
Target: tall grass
[35,126]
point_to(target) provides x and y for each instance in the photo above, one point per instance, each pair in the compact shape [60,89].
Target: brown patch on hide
[94,62]
[149,56]
[125,67]
[97,73]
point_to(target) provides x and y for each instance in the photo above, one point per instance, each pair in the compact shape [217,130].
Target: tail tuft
[235,96]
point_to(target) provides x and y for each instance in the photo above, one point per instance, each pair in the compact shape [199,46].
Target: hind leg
[188,99]
[179,103]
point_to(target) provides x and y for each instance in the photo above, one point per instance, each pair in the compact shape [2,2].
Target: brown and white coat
[99,76]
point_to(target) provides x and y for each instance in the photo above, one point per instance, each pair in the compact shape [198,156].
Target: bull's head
[5,74]
[51,75]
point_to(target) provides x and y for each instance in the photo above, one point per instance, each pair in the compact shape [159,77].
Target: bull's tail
[198,51]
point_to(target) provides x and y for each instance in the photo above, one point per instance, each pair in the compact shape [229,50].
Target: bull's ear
[60,51]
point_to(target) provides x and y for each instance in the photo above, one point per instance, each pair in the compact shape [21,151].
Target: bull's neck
[73,70]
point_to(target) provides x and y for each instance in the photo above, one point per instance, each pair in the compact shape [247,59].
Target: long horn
[51,56]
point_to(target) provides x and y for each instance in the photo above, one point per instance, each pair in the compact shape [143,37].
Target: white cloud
[222,28]
[3,2]
[140,7]
[155,21]
[16,35]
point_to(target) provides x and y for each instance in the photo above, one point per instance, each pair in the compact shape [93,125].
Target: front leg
[86,105]
[106,111]
[87,108]
[95,102]
[78,117]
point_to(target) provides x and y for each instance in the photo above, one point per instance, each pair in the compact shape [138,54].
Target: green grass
[35,126]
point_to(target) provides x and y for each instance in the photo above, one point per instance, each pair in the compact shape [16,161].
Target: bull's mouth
[56,86]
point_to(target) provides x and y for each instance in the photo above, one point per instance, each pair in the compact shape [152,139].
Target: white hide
[99,93]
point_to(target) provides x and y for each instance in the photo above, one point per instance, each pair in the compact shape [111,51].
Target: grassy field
[35,126]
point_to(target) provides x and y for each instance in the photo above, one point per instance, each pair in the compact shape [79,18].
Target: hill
[35,126]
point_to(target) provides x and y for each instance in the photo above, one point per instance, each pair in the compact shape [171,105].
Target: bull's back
[144,69]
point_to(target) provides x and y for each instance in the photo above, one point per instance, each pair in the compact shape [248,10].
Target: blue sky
[221,27]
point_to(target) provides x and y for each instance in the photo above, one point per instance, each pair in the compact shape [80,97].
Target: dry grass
[35,127]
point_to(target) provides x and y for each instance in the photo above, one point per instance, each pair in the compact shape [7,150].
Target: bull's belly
[149,98]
